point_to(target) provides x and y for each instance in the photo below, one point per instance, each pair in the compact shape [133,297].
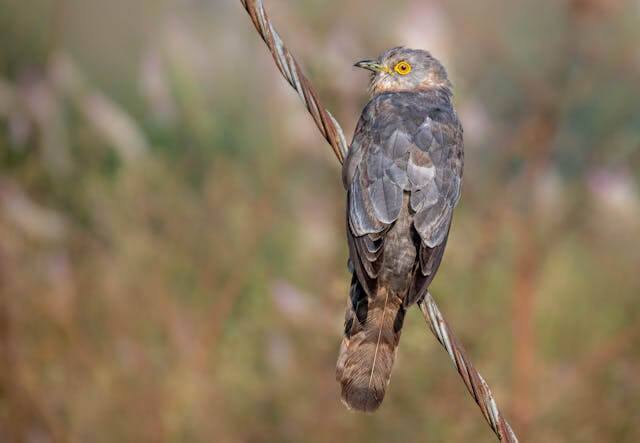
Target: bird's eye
[402,68]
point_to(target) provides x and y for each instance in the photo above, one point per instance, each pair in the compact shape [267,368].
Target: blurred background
[172,247]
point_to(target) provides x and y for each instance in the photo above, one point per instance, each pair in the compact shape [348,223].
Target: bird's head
[403,69]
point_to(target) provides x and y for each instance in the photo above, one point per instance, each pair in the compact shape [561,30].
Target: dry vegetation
[172,255]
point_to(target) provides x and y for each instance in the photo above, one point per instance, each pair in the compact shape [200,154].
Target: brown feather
[367,354]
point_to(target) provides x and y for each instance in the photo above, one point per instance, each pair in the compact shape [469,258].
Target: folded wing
[397,149]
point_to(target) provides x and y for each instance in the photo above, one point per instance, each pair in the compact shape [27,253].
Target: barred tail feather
[367,353]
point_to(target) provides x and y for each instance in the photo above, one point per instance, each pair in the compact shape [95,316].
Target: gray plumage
[403,176]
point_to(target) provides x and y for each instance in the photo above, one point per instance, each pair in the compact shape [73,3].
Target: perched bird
[403,175]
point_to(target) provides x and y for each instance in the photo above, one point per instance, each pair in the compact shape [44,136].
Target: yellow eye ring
[402,68]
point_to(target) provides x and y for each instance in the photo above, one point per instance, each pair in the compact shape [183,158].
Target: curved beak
[372,65]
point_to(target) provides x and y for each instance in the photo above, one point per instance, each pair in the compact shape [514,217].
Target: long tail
[367,352]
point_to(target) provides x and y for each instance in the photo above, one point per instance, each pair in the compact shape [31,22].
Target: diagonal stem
[291,71]
[472,379]
[334,135]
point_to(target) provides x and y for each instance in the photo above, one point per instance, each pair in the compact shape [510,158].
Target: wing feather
[398,148]
[386,199]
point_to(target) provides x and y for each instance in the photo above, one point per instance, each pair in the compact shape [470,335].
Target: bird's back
[403,176]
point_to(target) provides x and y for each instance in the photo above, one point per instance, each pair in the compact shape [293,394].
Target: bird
[403,177]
